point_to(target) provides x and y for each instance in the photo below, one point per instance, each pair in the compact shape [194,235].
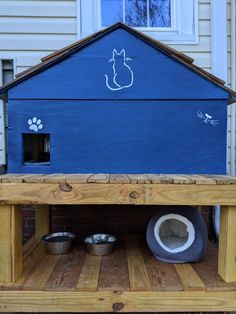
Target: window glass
[137,13]
[112,11]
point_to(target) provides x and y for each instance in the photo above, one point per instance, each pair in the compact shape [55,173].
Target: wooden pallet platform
[129,279]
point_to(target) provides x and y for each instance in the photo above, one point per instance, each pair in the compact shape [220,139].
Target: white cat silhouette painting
[123,76]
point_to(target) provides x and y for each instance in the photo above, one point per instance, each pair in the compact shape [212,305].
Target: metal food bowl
[58,242]
[100,244]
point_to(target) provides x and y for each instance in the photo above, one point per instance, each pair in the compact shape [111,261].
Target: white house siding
[30,30]
[231,77]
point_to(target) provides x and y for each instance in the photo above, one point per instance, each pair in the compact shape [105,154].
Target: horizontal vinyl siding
[30,30]
[201,52]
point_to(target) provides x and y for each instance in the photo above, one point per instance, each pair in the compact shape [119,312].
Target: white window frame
[184,21]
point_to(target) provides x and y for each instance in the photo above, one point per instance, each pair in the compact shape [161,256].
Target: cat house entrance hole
[174,233]
[36,149]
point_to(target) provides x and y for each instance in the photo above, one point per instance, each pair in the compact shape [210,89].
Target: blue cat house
[117,102]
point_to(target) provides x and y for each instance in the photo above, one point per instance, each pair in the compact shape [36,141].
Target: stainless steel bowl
[100,244]
[58,242]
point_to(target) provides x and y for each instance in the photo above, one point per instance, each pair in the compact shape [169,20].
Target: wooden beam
[109,301]
[41,221]
[92,193]
[10,242]
[227,244]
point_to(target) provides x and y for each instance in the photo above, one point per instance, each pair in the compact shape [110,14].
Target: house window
[171,21]
[137,13]
[36,149]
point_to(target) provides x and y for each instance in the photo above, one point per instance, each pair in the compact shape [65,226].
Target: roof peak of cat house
[124,49]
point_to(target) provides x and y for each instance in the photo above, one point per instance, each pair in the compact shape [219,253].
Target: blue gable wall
[123,137]
[146,113]
[82,74]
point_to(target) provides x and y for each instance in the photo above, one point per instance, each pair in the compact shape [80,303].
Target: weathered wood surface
[119,193]
[118,178]
[110,301]
[84,283]
[131,267]
[10,242]
[227,244]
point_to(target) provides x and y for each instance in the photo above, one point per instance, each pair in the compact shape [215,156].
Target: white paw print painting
[35,124]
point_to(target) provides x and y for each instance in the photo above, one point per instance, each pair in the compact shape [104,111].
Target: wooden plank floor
[130,267]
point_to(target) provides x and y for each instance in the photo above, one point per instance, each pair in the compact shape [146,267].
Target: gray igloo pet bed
[177,234]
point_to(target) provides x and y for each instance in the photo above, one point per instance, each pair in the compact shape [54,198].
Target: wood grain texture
[88,280]
[67,271]
[41,273]
[138,276]
[29,246]
[114,270]
[227,244]
[207,270]
[103,301]
[29,264]
[114,178]
[163,276]
[16,241]
[10,243]
[189,278]
[41,221]
[159,194]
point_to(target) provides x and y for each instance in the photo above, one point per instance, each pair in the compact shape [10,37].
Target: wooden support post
[227,244]
[41,221]
[10,242]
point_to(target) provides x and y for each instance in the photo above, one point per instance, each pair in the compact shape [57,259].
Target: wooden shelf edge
[138,194]
[34,301]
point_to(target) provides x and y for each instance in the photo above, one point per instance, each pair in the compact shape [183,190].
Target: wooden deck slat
[189,278]
[82,272]
[34,178]
[78,178]
[140,178]
[201,179]
[163,276]
[160,179]
[139,280]
[221,179]
[29,264]
[67,271]
[180,179]
[88,280]
[55,178]
[7,178]
[99,178]
[119,178]
[207,271]
[114,270]
[41,273]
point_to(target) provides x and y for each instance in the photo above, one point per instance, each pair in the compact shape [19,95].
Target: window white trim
[219,38]
[184,28]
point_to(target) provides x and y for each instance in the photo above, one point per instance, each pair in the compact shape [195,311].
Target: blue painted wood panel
[134,69]
[123,136]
